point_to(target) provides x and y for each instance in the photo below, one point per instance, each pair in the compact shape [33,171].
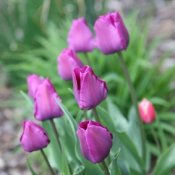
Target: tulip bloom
[67,62]
[80,37]
[95,141]
[33,81]
[34,137]
[111,33]
[45,102]
[147,111]
[89,90]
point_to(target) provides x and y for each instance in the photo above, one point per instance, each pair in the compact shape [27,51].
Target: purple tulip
[89,90]
[111,33]
[67,62]
[45,102]
[33,81]
[34,137]
[95,141]
[80,37]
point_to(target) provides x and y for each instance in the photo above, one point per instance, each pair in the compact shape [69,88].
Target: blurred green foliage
[23,20]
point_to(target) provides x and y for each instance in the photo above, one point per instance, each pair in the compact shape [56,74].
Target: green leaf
[79,170]
[118,119]
[26,97]
[159,101]
[166,162]
[129,145]
[166,116]
[114,168]
[134,130]
[52,151]
[30,168]
[72,126]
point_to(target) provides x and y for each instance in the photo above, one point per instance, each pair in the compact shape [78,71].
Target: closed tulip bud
[95,141]
[67,62]
[45,103]
[80,37]
[89,90]
[147,111]
[34,137]
[111,33]
[33,81]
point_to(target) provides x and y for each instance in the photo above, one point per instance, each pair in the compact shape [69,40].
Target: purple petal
[45,102]
[33,137]
[99,143]
[67,62]
[33,81]
[80,38]
[93,90]
[111,33]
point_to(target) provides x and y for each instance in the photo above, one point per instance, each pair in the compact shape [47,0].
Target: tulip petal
[111,33]
[80,37]
[95,141]
[99,143]
[45,102]
[67,62]
[33,81]
[83,143]
[93,90]
[33,137]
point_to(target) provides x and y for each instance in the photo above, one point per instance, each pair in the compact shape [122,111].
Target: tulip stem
[134,100]
[105,168]
[56,133]
[96,114]
[47,162]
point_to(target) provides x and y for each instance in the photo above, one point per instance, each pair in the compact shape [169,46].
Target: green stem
[104,168]
[56,133]
[127,76]
[134,101]
[96,114]
[47,162]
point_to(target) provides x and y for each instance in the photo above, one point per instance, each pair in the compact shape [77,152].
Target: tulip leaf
[53,151]
[134,130]
[166,116]
[118,119]
[79,170]
[166,162]
[72,124]
[116,155]
[26,97]
[91,168]
[65,169]
[114,168]
[106,120]
[68,143]
[30,168]
[68,116]
[129,145]
[159,101]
